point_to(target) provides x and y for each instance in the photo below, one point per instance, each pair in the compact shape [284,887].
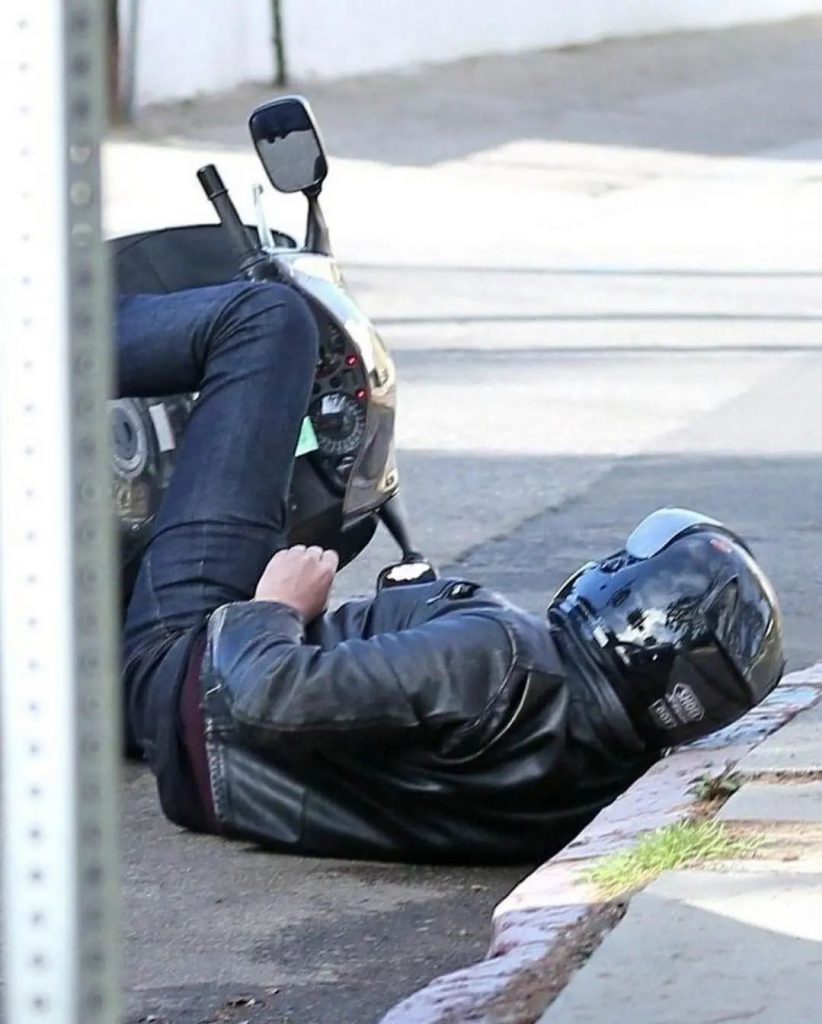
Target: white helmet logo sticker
[685,703]
[679,706]
[660,711]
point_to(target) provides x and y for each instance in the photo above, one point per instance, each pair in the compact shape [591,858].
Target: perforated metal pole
[57,608]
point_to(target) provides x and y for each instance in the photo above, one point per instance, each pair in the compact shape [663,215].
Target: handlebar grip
[247,251]
[212,183]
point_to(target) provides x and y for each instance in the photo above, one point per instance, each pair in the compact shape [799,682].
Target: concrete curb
[505,987]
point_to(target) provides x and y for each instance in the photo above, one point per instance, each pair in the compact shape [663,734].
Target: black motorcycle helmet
[682,623]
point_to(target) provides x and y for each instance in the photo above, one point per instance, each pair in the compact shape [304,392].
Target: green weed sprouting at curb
[718,787]
[675,846]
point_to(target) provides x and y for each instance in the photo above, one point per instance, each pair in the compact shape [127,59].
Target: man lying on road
[436,721]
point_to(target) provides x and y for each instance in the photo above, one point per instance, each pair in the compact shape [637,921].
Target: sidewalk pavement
[741,942]
[725,942]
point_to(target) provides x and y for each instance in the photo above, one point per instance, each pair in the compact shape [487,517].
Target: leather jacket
[434,722]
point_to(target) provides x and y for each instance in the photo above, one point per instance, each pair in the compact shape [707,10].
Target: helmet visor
[746,629]
[657,530]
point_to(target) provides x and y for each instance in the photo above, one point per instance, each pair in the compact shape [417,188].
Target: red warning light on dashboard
[361,394]
[351,360]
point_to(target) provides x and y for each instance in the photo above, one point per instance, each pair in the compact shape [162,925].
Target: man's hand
[301,578]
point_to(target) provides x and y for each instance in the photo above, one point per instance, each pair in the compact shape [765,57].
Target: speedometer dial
[339,423]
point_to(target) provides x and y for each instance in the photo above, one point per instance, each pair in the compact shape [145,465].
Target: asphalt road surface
[599,270]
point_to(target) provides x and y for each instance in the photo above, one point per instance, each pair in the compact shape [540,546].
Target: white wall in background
[189,46]
[185,47]
[331,38]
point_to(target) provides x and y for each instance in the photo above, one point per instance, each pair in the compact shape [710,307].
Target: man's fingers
[331,559]
[300,577]
[325,559]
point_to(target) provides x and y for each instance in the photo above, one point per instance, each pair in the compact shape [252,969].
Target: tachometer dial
[332,352]
[339,423]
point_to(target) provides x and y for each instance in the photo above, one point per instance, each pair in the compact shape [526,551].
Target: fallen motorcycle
[345,477]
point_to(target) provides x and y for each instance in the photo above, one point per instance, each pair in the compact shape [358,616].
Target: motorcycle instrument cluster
[338,403]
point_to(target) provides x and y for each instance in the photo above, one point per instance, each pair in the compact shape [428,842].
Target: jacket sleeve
[443,674]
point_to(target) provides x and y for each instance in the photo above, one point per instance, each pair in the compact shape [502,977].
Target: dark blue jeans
[250,350]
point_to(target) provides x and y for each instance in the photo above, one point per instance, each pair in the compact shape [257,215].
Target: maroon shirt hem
[193,728]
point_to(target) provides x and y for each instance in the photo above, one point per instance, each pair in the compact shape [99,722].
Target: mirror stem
[316,230]
[394,517]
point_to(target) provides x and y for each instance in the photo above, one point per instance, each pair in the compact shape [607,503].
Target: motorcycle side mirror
[289,146]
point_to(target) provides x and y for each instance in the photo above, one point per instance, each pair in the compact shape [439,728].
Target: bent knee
[264,313]
[261,296]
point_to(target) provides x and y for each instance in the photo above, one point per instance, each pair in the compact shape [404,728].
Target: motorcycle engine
[144,436]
